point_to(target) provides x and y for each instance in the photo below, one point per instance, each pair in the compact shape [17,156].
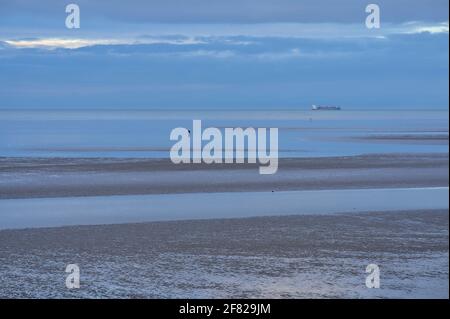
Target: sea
[139,133]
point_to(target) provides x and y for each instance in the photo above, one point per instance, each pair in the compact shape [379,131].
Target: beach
[146,228]
[98,190]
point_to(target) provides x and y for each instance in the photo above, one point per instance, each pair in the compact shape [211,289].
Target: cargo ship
[325,108]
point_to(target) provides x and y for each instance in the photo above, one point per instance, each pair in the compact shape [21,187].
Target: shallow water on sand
[50,212]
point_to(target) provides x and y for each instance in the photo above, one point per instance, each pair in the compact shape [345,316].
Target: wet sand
[65,177]
[416,138]
[308,256]
[305,255]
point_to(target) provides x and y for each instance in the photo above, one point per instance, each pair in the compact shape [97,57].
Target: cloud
[54,43]
[210,53]
[433,29]
[59,43]
[238,35]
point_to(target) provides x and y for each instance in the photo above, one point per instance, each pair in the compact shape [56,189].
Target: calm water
[139,133]
[51,212]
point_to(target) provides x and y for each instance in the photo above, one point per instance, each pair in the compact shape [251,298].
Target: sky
[234,54]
